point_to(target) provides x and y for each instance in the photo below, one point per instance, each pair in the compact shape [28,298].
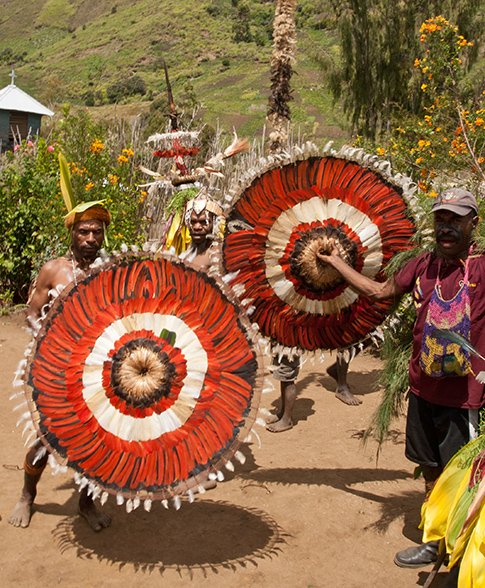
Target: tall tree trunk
[284,47]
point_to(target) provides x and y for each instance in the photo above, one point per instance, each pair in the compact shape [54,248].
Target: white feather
[15,395]
[22,404]
[119,499]
[147,504]
[177,503]
[25,416]
[258,438]
[239,290]
[227,278]
[28,425]
[31,439]
[39,454]
[104,498]
[83,483]
[241,458]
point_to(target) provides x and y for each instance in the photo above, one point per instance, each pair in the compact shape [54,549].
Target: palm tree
[284,47]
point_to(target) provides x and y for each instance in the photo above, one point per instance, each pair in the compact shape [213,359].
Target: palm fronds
[396,353]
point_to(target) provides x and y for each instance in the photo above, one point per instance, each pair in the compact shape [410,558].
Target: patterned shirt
[419,277]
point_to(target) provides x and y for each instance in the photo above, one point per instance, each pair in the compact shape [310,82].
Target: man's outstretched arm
[364,285]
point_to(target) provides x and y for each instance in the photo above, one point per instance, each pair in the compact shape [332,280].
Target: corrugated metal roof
[13,98]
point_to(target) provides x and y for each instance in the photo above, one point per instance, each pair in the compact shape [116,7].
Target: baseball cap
[458,200]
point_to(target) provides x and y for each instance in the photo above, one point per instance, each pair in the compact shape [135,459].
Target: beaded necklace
[439,357]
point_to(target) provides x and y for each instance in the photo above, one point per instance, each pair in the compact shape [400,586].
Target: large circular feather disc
[277,224]
[144,376]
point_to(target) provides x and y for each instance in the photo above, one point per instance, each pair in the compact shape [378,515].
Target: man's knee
[36,460]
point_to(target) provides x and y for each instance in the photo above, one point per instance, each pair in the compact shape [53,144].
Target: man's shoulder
[55,264]
[416,266]
[422,259]
[477,268]
[52,268]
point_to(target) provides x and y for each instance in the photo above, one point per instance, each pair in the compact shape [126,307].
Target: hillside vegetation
[84,51]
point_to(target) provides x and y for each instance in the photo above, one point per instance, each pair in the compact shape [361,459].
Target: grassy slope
[75,45]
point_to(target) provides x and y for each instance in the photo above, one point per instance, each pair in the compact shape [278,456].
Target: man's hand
[324,257]
[361,283]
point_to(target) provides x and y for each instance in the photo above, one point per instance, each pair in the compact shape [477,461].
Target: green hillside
[76,50]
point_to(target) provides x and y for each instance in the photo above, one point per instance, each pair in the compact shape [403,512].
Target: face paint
[200,225]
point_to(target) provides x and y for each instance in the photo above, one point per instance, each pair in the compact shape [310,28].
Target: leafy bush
[125,88]
[445,145]
[241,30]
[31,219]
[89,98]
[8,57]
[104,165]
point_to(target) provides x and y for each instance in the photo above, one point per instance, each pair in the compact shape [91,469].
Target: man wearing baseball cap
[457,200]
[448,288]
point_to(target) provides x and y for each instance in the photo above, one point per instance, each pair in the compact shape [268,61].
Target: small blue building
[20,115]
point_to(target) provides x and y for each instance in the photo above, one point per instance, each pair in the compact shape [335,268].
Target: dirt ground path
[308,509]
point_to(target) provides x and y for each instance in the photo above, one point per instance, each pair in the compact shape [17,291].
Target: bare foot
[201,487]
[21,513]
[345,395]
[206,485]
[96,519]
[280,425]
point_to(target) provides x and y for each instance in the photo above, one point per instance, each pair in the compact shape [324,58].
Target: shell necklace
[76,270]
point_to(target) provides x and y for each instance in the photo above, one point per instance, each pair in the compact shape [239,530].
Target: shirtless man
[201,217]
[201,214]
[87,234]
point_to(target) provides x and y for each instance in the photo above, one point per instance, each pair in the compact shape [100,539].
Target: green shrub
[103,164]
[31,219]
[125,88]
